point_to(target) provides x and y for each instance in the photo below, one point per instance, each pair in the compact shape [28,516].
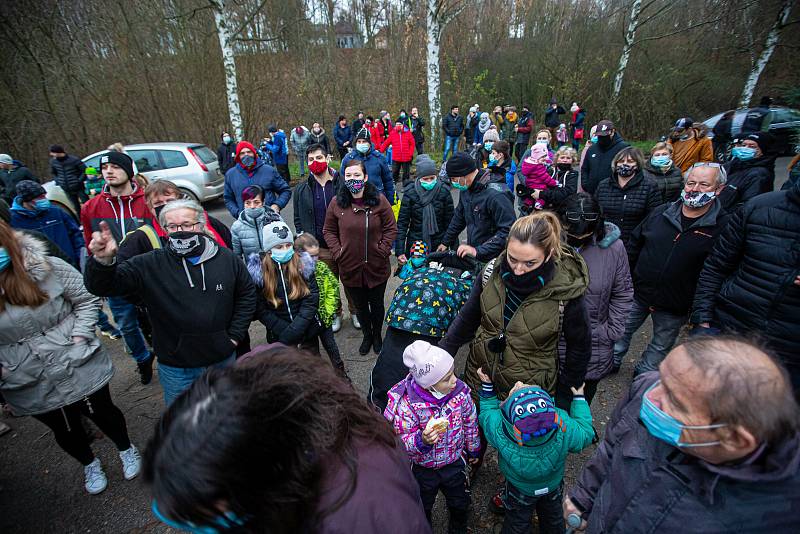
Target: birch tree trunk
[630,35]
[434,34]
[769,47]
[229,64]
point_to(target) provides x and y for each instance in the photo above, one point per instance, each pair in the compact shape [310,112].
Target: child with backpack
[533,439]
[434,415]
[307,246]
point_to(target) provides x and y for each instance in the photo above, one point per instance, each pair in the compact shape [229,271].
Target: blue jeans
[175,380]
[666,327]
[520,507]
[104,324]
[301,160]
[125,316]
[450,146]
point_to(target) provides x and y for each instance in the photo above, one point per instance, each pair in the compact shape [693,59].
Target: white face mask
[436,394]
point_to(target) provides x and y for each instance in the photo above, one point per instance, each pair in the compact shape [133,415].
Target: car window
[93,162]
[173,159]
[205,154]
[146,160]
[784,115]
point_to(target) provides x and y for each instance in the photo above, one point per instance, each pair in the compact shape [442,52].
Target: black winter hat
[461,164]
[57,149]
[272,128]
[120,159]
[27,190]
[363,133]
[764,140]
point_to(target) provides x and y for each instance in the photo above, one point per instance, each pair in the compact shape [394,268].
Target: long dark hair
[586,203]
[371,194]
[257,440]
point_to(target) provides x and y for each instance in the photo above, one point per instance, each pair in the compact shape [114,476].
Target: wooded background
[86,73]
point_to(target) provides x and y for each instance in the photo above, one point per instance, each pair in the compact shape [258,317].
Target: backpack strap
[487,273]
[148,230]
[561,306]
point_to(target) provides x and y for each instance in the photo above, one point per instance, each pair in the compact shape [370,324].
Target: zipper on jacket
[285,293]
[121,216]
[366,236]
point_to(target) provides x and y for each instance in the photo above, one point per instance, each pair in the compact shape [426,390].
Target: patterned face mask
[354,186]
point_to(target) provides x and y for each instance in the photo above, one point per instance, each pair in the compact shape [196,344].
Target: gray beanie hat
[5,158]
[425,166]
[491,135]
[274,234]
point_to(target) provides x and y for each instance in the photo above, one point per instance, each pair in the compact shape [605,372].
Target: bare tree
[224,34]
[769,47]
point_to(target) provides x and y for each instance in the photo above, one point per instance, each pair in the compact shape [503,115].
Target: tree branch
[189,14]
[687,28]
[452,13]
[248,20]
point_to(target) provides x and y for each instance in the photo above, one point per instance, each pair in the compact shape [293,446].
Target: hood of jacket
[34,256]
[137,193]
[612,234]
[17,206]
[771,464]
[254,268]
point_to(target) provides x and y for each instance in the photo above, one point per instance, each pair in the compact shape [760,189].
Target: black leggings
[404,167]
[69,432]
[370,309]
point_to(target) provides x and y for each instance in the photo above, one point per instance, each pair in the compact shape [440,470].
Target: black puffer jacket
[747,284]
[669,183]
[597,163]
[453,126]
[409,220]
[666,259]
[68,173]
[629,206]
[747,179]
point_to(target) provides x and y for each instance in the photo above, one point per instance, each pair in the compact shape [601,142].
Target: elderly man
[667,252]
[711,443]
[751,280]
[199,295]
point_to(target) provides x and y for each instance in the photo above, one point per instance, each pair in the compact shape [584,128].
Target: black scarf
[429,225]
[519,287]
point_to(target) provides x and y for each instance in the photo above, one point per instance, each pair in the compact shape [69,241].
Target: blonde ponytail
[541,229]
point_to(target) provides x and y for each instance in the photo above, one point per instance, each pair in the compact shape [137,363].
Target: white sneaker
[96,480]
[131,462]
[336,325]
[356,324]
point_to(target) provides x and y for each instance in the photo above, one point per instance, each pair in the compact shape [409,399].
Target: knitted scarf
[429,225]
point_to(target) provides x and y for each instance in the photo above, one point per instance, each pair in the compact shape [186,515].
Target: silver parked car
[193,167]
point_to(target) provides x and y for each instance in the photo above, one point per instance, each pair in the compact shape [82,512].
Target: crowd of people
[566,255]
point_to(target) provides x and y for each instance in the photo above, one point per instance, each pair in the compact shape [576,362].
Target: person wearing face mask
[500,162]
[484,208]
[319,137]
[32,211]
[376,163]
[360,230]
[483,125]
[508,125]
[425,211]
[751,171]
[453,127]
[523,129]
[710,443]
[577,125]
[300,140]
[251,170]
[589,142]
[537,176]
[667,252]
[609,297]
[402,142]
[342,134]
[471,124]
[247,230]
[552,119]
[662,170]
[596,165]
[690,143]
[287,300]
[226,152]
[199,296]
[484,149]
[628,196]
[68,173]
[417,128]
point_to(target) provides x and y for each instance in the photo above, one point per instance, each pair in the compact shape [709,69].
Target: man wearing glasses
[199,295]
[667,252]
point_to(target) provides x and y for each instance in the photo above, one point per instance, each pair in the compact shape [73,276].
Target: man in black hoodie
[199,295]
[485,209]
[597,163]
[751,171]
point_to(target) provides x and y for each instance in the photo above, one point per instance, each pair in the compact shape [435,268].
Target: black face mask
[186,244]
[158,209]
[604,141]
[62,158]
[525,284]
[564,166]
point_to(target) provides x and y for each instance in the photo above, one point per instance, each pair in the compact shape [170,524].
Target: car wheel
[188,195]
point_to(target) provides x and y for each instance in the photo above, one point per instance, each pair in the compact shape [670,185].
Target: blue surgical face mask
[362,147]
[427,186]
[488,145]
[5,259]
[663,426]
[661,161]
[226,139]
[541,141]
[492,162]
[743,153]
[42,204]
[459,186]
[282,256]
[224,522]
[593,139]
[417,261]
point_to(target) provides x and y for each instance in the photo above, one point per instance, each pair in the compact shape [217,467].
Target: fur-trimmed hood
[34,256]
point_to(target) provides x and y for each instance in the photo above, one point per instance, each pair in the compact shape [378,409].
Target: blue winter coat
[54,223]
[276,190]
[279,148]
[342,135]
[377,169]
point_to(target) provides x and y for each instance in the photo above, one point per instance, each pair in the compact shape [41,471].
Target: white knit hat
[428,364]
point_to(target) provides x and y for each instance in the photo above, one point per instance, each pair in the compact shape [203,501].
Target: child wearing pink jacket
[537,176]
[434,415]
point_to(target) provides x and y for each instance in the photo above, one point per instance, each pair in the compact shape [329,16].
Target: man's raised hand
[103,246]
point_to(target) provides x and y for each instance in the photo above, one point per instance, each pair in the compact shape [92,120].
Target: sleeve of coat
[557,195]
[388,181]
[501,211]
[222,229]
[472,433]
[244,304]
[491,419]
[466,323]
[74,231]
[457,224]
[305,320]
[448,206]
[389,226]
[707,150]
[236,243]
[408,428]
[330,231]
[116,280]
[267,316]
[228,196]
[721,263]
[636,241]
[621,299]
[580,432]
[654,198]
[403,219]
[86,223]
[282,189]
[298,226]
[577,332]
[84,305]
[386,144]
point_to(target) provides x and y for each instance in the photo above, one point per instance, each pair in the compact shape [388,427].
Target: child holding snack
[533,439]
[434,415]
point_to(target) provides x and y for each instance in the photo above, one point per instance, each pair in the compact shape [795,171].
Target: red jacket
[402,145]
[376,135]
[123,214]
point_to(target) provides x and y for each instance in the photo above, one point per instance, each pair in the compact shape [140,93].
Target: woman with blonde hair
[517,309]
[52,366]
[662,170]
